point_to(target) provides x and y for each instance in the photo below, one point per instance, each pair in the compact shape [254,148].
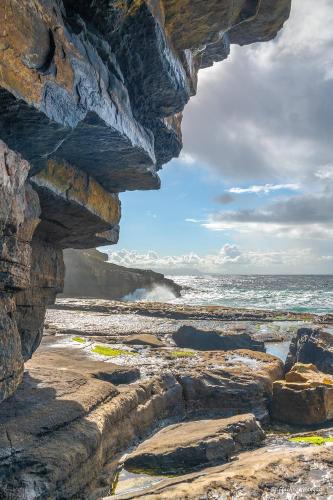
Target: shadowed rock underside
[91,101]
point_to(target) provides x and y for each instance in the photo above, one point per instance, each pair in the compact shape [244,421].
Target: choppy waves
[292,293]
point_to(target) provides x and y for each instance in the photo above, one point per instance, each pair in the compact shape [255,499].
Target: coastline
[109,375]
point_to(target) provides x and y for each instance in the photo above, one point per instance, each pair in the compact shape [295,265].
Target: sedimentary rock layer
[73,414]
[305,397]
[182,447]
[19,216]
[266,473]
[91,97]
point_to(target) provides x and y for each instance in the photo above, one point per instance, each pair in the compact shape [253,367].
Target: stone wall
[91,102]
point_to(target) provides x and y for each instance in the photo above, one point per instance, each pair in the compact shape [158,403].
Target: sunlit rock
[305,397]
[183,446]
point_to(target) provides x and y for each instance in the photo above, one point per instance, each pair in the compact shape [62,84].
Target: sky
[252,190]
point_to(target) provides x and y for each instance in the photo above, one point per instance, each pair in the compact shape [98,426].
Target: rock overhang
[91,104]
[103,88]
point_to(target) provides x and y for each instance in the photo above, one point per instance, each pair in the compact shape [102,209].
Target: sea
[296,293]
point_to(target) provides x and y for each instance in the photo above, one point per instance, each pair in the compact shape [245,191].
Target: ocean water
[313,294]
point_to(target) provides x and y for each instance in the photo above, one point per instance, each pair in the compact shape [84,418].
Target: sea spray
[156,294]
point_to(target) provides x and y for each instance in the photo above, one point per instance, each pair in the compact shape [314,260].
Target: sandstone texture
[181,447]
[312,345]
[19,216]
[265,473]
[62,426]
[75,411]
[305,397]
[88,274]
[203,340]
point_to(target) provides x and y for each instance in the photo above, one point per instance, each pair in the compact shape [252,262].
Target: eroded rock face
[264,473]
[198,443]
[92,100]
[75,413]
[19,216]
[190,337]
[46,280]
[305,397]
[311,346]
[103,88]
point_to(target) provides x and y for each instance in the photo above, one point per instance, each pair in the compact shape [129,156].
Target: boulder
[312,345]
[183,446]
[193,338]
[305,397]
[228,383]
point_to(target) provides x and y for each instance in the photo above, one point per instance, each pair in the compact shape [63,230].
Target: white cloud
[193,221]
[265,114]
[304,232]
[186,158]
[325,173]
[266,188]
[229,259]
[326,258]
[306,216]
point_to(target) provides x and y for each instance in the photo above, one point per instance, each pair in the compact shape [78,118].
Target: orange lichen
[28,45]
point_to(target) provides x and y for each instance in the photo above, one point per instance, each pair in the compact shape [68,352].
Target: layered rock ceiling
[91,100]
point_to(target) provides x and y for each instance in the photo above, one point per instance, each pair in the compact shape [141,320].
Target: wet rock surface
[265,473]
[86,399]
[78,407]
[193,444]
[193,338]
[89,274]
[114,320]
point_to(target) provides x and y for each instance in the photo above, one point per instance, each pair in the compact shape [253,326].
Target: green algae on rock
[109,351]
[79,339]
[315,440]
[182,354]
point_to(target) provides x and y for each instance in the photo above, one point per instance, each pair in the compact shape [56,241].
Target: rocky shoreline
[91,103]
[89,398]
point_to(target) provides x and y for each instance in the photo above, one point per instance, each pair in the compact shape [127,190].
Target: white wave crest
[156,294]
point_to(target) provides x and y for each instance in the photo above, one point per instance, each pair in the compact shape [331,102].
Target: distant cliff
[88,274]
